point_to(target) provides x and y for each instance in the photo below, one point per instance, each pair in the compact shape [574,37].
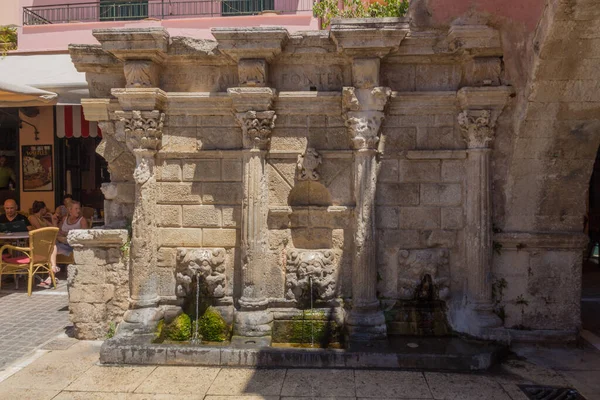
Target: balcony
[113,10]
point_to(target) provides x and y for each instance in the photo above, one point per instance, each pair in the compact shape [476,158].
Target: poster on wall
[37,168]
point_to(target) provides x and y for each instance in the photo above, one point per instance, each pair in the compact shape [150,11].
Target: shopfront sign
[37,168]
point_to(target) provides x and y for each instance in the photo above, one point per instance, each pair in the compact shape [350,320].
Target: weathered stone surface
[344,147]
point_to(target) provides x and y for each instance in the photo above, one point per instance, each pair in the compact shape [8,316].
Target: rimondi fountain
[324,188]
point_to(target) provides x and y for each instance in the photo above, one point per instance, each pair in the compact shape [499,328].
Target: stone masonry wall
[98,281]
[369,163]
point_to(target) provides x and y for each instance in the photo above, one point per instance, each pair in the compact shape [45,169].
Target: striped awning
[70,123]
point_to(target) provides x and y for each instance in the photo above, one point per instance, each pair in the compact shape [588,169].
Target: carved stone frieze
[304,266]
[307,165]
[140,73]
[413,265]
[257,127]
[206,264]
[143,129]
[477,128]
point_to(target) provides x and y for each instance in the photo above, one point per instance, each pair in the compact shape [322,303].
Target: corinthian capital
[143,129]
[477,128]
[363,112]
[257,127]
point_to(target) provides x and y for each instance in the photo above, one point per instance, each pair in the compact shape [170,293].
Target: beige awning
[33,79]
[14,95]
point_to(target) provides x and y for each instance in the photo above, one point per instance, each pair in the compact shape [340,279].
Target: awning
[70,123]
[54,73]
[15,95]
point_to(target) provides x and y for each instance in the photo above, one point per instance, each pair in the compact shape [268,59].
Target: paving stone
[237,381]
[315,383]
[391,384]
[181,380]
[111,379]
[464,387]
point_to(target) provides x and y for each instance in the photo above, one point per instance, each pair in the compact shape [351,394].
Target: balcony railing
[160,9]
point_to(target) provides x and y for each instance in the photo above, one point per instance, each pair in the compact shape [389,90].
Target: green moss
[159,329]
[180,329]
[212,326]
[311,327]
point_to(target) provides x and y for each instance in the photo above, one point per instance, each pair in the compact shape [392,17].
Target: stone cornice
[308,103]
[144,99]
[96,109]
[422,103]
[92,58]
[198,103]
[474,40]
[262,43]
[252,98]
[541,240]
[134,43]
[484,98]
[370,37]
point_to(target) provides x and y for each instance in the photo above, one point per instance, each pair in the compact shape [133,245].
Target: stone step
[448,353]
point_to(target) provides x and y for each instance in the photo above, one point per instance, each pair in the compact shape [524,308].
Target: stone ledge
[135,352]
[436,154]
[541,240]
[543,336]
[97,237]
[423,103]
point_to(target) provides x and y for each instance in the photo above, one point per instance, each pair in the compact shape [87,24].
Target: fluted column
[478,132]
[252,317]
[363,111]
[143,135]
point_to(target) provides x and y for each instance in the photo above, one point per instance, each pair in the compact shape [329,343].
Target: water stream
[195,339]
[312,320]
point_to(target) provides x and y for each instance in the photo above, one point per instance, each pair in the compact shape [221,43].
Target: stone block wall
[198,206]
[537,280]
[98,281]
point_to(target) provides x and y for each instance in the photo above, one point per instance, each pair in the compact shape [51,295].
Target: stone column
[478,132]
[252,318]
[143,133]
[363,111]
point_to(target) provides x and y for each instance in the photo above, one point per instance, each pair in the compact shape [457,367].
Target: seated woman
[73,220]
[38,219]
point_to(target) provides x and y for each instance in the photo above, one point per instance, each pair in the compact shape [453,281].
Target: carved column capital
[143,129]
[257,127]
[363,113]
[477,128]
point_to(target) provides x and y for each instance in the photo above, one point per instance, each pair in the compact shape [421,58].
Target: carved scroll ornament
[477,128]
[413,265]
[257,127]
[143,129]
[306,265]
[307,165]
[207,265]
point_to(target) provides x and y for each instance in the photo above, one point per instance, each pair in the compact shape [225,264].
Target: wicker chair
[34,259]
[88,214]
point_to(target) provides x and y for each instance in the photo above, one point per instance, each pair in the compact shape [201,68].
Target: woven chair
[88,214]
[30,260]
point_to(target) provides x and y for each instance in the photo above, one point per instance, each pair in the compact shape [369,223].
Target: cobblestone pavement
[28,322]
[74,373]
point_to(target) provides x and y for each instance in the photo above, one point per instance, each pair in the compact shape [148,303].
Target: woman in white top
[73,220]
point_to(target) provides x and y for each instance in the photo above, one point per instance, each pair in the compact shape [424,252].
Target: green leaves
[328,9]
[8,39]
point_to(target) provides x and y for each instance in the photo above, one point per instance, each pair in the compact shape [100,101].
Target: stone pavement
[28,322]
[74,373]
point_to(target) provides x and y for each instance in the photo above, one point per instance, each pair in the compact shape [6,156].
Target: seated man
[12,217]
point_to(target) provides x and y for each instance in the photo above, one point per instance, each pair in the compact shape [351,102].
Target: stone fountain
[326,179]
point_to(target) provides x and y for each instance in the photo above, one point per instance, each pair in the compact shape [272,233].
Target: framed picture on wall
[37,168]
